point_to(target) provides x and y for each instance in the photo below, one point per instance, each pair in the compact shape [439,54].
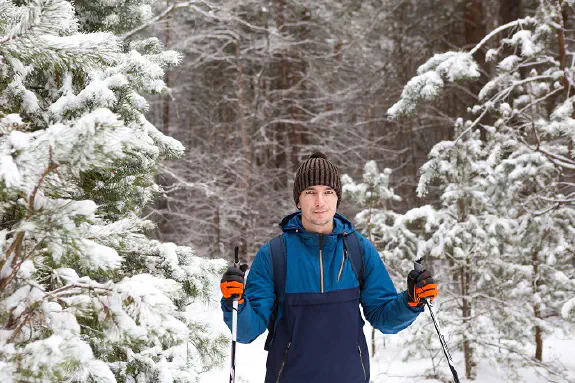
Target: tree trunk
[245,174]
[474,31]
[466,312]
[371,240]
[536,307]
[561,44]
[509,10]
[465,286]
[279,85]
[219,234]
[161,204]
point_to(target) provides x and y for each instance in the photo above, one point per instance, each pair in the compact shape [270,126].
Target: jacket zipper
[343,256]
[283,362]
[361,360]
[321,262]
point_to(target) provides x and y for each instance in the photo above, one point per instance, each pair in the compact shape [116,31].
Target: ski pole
[234,323]
[417,266]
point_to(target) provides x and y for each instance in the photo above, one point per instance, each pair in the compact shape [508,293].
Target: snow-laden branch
[157,18]
[497,30]
[190,5]
[557,159]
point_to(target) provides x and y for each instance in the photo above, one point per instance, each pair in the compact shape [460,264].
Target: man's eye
[309,192]
[329,191]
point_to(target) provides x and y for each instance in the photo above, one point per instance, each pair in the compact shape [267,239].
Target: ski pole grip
[417,266]
[236,297]
[236,257]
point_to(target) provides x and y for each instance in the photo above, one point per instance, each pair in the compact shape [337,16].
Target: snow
[524,38]
[59,320]
[66,274]
[97,370]
[567,308]
[7,371]
[82,43]
[55,350]
[429,82]
[9,172]
[491,55]
[389,364]
[30,101]
[99,256]
[11,119]
[563,111]
[97,119]
[423,87]
[509,62]
[27,269]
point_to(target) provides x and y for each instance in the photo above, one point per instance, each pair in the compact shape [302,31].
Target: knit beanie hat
[317,170]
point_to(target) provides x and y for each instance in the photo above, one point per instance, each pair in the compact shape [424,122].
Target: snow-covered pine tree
[510,191]
[85,295]
[373,195]
[400,239]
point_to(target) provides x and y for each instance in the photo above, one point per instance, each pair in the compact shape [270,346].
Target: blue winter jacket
[319,331]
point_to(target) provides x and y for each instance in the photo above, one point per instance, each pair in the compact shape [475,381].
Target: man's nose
[319,200]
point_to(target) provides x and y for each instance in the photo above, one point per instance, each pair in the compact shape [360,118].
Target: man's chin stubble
[316,223]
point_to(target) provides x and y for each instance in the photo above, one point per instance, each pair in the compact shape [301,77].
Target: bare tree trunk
[219,233]
[242,112]
[466,311]
[475,30]
[561,42]
[371,240]
[161,204]
[536,307]
[509,10]
[465,285]
[281,84]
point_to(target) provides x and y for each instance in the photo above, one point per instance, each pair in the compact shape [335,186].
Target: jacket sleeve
[259,298]
[383,307]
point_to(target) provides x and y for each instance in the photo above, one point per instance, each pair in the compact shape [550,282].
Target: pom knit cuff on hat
[317,170]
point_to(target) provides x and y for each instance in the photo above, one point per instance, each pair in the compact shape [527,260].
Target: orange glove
[232,284]
[420,286]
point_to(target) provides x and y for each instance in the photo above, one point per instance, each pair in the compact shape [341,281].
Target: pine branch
[159,17]
[527,20]
[17,243]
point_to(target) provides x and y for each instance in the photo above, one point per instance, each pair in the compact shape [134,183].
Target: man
[318,333]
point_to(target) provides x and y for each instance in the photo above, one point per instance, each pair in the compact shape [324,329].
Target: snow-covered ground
[387,366]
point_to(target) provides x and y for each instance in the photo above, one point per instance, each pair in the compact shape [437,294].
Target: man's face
[318,205]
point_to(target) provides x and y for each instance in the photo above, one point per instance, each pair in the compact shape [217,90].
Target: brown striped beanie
[317,170]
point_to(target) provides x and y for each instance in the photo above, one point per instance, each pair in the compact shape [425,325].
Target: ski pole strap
[278,263]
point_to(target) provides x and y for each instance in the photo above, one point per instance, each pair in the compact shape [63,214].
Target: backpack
[278,255]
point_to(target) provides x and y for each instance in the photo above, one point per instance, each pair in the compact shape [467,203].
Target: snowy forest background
[140,141]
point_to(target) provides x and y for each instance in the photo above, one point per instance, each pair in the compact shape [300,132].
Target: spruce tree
[506,189]
[86,296]
[373,195]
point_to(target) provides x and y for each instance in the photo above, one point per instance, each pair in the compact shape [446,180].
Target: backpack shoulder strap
[278,264]
[355,254]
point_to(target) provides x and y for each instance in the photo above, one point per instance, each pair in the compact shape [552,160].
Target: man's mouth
[320,212]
